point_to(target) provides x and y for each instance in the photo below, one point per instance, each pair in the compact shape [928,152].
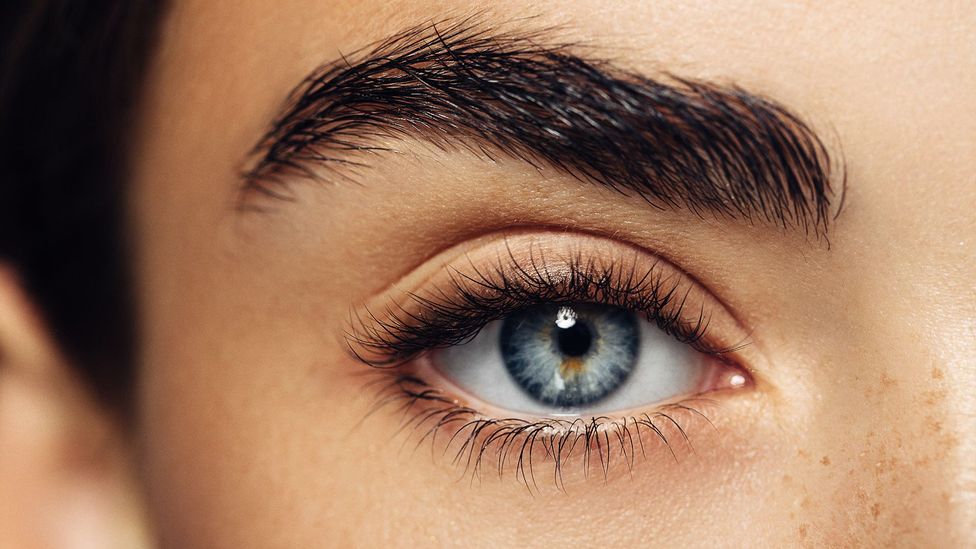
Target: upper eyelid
[707,147]
[390,318]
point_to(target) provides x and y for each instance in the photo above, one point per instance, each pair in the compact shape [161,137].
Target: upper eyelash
[454,315]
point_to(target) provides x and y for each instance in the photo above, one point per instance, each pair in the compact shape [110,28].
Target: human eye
[576,359]
[548,348]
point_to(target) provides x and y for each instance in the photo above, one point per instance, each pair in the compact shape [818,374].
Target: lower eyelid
[529,450]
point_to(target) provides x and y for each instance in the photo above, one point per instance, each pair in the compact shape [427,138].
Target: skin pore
[255,426]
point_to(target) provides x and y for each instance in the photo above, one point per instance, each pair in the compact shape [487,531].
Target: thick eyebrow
[674,142]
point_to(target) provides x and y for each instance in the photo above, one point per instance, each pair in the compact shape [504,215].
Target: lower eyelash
[518,447]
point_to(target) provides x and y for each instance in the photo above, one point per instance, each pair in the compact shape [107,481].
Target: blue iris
[570,355]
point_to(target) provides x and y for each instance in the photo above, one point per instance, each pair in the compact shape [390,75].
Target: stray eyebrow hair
[674,142]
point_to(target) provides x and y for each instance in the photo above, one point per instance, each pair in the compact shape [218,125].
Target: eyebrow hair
[674,142]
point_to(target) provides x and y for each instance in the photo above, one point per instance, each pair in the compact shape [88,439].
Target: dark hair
[70,73]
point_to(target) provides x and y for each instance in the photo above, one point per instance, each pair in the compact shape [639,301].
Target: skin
[858,429]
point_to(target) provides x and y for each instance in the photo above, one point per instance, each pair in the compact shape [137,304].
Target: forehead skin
[863,430]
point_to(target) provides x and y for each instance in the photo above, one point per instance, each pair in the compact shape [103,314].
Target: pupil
[576,340]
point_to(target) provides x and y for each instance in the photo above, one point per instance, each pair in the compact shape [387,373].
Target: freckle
[876,510]
[947,444]
[937,373]
[887,380]
[933,397]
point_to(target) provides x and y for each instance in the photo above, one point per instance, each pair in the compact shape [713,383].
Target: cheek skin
[250,432]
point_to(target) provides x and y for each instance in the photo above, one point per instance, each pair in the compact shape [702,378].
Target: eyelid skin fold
[515,271]
[446,302]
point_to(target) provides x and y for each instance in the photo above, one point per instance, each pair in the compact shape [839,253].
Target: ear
[65,474]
